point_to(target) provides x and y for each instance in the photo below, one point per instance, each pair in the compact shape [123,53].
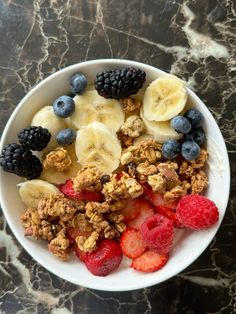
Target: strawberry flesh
[132,209]
[157,198]
[146,210]
[149,261]
[169,213]
[131,243]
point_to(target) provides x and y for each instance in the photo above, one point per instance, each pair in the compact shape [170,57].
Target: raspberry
[197,212]
[158,233]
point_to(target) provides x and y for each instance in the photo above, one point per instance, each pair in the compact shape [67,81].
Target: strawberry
[132,209]
[169,213]
[149,261]
[131,243]
[157,198]
[81,254]
[73,232]
[146,210]
[105,259]
[85,195]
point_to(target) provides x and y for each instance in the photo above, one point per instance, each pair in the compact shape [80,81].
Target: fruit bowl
[188,245]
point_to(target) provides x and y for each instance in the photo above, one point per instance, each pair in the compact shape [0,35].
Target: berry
[195,117]
[105,259]
[132,209]
[196,135]
[19,160]
[119,83]
[78,83]
[131,243]
[158,233]
[64,106]
[81,254]
[146,210]
[171,149]
[181,124]
[157,198]
[73,232]
[85,195]
[169,213]
[197,212]
[149,261]
[34,137]
[65,137]
[190,150]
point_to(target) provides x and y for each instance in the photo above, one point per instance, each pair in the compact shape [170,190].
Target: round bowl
[188,245]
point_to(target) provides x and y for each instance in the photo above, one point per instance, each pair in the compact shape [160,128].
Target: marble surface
[193,39]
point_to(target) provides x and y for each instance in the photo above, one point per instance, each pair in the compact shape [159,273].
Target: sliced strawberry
[149,261]
[146,210]
[132,243]
[157,198]
[168,213]
[132,209]
[85,195]
[73,232]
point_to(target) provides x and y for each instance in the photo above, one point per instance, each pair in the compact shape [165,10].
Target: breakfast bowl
[188,245]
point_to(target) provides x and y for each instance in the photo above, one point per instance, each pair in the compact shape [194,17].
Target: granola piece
[120,227]
[57,206]
[58,159]
[125,140]
[87,244]
[186,170]
[117,205]
[131,104]
[131,168]
[59,246]
[96,208]
[157,182]
[133,126]
[30,218]
[111,232]
[198,182]
[175,193]
[119,188]
[47,230]
[100,226]
[200,161]
[115,217]
[169,173]
[144,170]
[87,178]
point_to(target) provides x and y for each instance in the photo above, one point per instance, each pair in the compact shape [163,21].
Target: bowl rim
[118,63]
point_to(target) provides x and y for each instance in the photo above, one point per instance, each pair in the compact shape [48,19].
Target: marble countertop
[192,39]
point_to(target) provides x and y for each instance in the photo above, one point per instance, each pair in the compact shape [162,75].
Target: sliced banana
[164,98]
[91,107]
[98,145]
[46,118]
[142,138]
[32,191]
[161,131]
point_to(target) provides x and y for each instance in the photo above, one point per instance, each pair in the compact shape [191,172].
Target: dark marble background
[193,39]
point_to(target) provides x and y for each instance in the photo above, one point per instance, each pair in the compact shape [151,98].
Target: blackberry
[34,137]
[18,159]
[119,83]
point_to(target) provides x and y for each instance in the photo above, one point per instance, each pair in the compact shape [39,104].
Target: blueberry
[181,124]
[190,150]
[65,137]
[196,135]
[171,149]
[64,106]
[78,83]
[195,117]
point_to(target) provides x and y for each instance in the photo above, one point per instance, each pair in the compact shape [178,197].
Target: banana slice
[98,145]
[46,118]
[91,107]
[32,191]
[161,131]
[142,138]
[59,177]
[164,98]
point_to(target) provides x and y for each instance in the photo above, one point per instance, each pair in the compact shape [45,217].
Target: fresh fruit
[78,83]
[169,213]
[157,198]
[146,210]
[85,195]
[91,107]
[164,98]
[79,253]
[181,124]
[19,160]
[160,131]
[197,212]
[196,135]
[132,243]
[73,232]
[171,149]
[32,191]
[158,233]
[98,145]
[65,137]
[132,209]
[34,137]
[46,118]
[195,117]
[119,83]
[190,150]
[149,261]
[105,259]
[64,106]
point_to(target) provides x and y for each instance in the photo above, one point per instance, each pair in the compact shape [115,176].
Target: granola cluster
[59,159]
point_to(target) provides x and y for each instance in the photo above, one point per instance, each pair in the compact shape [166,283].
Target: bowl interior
[188,245]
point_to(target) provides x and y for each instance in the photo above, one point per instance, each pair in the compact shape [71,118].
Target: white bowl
[188,245]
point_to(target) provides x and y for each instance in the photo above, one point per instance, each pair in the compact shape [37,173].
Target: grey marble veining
[192,39]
